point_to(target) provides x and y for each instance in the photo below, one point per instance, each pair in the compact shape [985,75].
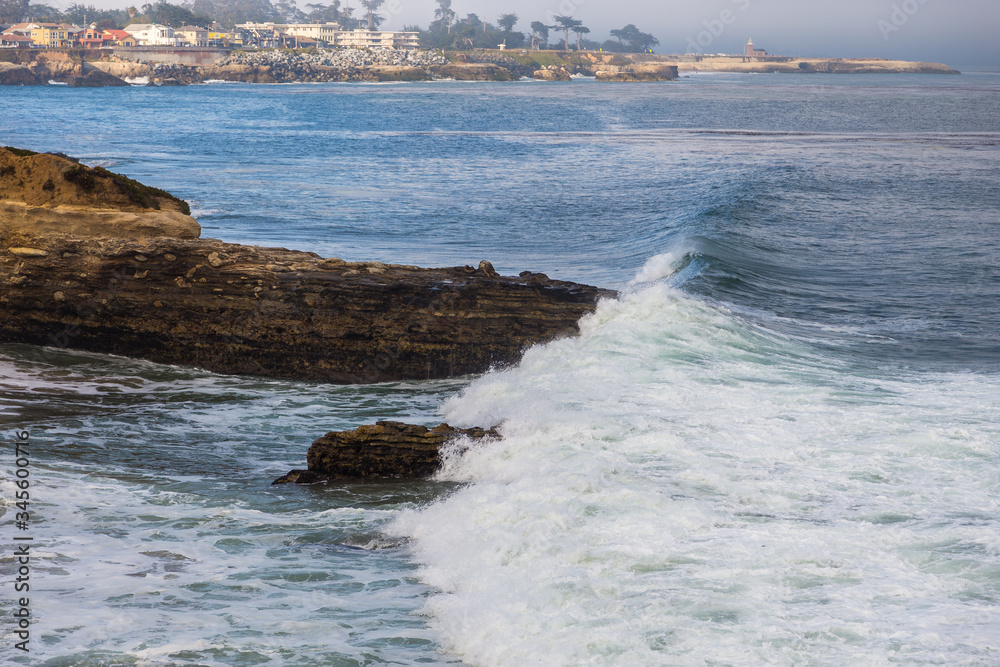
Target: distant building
[751,52]
[120,38]
[23,29]
[92,38]
[15,41]
[366,39]
[296,35]
[51,35]
[219,37]
[153,34]
[192,35]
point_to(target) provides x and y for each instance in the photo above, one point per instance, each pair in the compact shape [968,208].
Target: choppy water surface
[781,445]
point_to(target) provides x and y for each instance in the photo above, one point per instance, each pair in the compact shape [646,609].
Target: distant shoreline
[180,66]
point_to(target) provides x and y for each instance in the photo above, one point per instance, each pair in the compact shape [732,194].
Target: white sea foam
[676,486]
[660,266]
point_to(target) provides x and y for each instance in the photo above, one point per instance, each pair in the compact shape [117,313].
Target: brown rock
[399,73]
[552,74]
[473,72]
[231,309]
[386,450]
[43,194]
[17,75]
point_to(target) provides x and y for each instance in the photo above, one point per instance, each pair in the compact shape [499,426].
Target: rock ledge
[386,450]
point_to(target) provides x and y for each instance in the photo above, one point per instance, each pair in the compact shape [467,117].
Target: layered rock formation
[275,312]
[44,194]
[386,450]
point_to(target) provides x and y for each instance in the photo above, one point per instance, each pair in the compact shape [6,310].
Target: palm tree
[567,23]
[580,30]
[539,32]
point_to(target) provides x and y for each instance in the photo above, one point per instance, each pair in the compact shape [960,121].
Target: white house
[153,34]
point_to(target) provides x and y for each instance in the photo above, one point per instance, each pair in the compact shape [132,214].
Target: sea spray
[678,485]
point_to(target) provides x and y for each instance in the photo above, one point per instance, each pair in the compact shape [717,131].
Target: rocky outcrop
[473,72]
[275,312]
[552,74]
[95,78]
[500,59]
[19,75]
[638,73]
[43,194]
[40,67]
[399,73]
[386,450]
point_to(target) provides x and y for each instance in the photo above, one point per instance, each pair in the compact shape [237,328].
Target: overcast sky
[956,32]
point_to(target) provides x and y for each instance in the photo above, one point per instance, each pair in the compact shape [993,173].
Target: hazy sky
[957,32]
[954,31]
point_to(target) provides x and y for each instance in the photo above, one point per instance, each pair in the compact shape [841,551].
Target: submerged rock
[386,450]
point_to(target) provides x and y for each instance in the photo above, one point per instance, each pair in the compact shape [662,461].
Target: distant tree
[132,11]
[539,34]
[566,23]
[631,39]
[507,21]
[43,14]
[444,14]
[13,11]
[320,13]
[580,31]
[175,16]
[230,12]
[84,15]
[374,20]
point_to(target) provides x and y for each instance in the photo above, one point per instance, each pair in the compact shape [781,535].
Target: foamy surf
[677,486]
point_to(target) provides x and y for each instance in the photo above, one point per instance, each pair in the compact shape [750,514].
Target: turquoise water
[779,446]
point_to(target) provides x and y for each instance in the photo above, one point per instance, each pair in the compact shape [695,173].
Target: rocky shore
[385,450]
[328,65]
[140,288]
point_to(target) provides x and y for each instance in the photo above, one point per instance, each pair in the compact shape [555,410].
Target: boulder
[386,450]
[552,74]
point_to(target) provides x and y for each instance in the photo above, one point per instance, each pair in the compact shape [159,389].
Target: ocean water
[780,445]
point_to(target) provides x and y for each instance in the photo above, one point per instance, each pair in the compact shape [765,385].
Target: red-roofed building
[120,38]
[14,41]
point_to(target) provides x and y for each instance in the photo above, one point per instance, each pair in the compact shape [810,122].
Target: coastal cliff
[170,297]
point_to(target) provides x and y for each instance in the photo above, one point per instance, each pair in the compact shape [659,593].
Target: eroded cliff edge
[229,308]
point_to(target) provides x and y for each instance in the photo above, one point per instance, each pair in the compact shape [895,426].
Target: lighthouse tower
[749,52]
